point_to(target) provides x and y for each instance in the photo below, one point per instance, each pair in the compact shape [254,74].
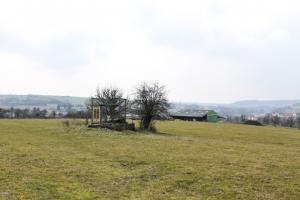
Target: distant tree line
[37,113]
[24,113]
[289,121]
[78,114]
[269,119]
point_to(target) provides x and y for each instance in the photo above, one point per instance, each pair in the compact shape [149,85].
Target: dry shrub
[66,123]
[78,122]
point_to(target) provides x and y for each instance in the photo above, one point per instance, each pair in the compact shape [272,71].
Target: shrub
[66,123]
[119,126]
[253,123]
[78,122]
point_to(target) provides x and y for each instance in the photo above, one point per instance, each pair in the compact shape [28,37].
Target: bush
[253,123]
[78,122]
[119,126]
[152,128]
[130,127]
[66,123]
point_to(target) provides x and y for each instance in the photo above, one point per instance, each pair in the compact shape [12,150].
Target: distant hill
[274,103]
[248,107]
[39,100]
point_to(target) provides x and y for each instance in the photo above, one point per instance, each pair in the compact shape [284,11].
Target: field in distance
[41,159]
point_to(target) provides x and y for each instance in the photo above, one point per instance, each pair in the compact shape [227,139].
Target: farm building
[202,116]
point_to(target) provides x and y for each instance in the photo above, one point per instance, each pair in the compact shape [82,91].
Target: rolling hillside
[238,108]
[41,159]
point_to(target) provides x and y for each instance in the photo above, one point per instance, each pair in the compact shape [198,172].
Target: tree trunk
[146,122]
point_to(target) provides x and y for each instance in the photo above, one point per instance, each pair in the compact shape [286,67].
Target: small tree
[12,112]
[237,119]
[229,119]
[290,122]
[44,113]
[275,120]
[18,113]
[150,102]
[267,119]
[53,114]
[4,113]
[112,98]
[298,120]
[36,112]
[243,118]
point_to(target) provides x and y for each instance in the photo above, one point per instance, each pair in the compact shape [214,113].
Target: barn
[201,116]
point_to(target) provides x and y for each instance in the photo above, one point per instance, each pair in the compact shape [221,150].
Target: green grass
[40,159]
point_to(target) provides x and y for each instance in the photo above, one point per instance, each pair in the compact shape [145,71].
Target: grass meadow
[42,159]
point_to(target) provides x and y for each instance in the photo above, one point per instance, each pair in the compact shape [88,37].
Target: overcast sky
[202,50]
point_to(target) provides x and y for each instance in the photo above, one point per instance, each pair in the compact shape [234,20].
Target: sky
[201,50]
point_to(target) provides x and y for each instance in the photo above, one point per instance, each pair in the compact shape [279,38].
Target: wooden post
[92,111]
[125,109]
[99,115]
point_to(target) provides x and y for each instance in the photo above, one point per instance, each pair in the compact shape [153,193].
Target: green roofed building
[202,115]
[212,116]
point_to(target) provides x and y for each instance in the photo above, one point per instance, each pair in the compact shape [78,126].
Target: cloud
[63,53]
[202,50]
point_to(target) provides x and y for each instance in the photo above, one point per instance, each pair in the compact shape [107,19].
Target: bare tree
[275,120]
[229,119]
[88,105]
[12,112]
[237,119]
[18,113]
[4,113]
[289,122]
[53,114]
[298,120]
[150,101]
[267,119]
[112,98]
[243,118]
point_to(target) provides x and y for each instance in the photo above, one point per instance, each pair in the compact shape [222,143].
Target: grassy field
[41,159]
